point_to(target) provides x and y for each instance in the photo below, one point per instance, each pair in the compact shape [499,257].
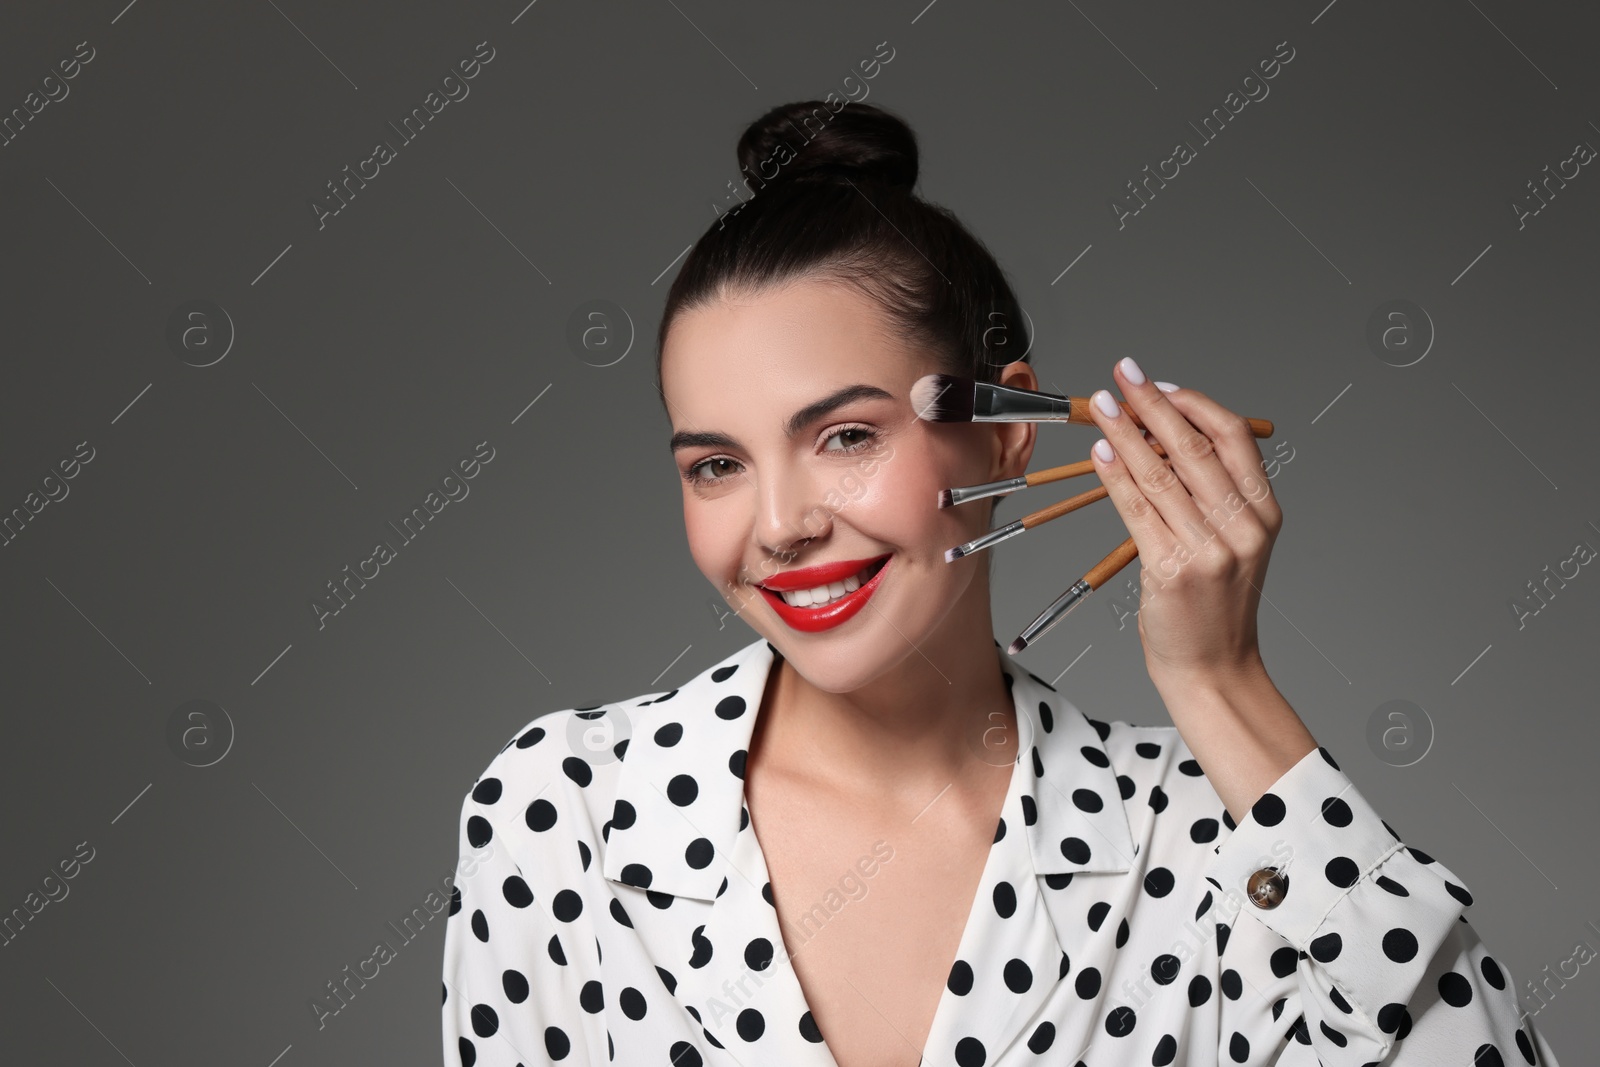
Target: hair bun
[808,140]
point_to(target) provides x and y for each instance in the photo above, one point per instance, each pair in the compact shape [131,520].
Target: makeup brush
[1098,575]
[961,495]
[952,398]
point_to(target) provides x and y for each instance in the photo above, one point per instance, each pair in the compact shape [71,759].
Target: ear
[1013,441]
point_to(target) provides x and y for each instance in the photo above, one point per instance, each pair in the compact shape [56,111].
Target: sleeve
[511,995]
[1363,952]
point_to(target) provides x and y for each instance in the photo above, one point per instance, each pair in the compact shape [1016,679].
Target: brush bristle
[1016,646]
[953,554]
[942,398]
[946,498]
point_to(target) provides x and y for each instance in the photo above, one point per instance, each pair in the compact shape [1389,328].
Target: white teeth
[823,594]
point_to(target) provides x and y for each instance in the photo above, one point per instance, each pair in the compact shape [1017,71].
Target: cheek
[715,539]
[900,499]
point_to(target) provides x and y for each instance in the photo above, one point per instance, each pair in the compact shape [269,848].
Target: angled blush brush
[952,398]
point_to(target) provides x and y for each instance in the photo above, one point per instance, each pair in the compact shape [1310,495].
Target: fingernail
[1103,450]
[1107,404]
[1131,371]
[1166,387]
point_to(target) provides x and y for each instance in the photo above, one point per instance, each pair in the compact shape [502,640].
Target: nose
[790,511]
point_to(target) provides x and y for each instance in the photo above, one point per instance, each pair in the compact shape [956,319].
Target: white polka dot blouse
[612,906]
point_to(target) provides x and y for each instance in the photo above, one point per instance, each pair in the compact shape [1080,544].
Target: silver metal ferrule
[987,489]
[1003,403]
[992,538]
[1056,612]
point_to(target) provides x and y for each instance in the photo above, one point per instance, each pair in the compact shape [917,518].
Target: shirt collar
[680,792]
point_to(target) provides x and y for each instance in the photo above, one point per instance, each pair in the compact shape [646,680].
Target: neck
[941,714]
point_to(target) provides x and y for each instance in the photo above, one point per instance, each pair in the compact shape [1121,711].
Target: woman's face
[797,446]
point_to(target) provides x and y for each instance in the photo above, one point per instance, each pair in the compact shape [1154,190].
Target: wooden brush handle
[1055,511]
[1073,470]
[1106,569]
[1080,414]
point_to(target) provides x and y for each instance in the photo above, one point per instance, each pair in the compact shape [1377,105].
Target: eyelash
[701,481]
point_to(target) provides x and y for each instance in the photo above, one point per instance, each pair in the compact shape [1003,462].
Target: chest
[872,905]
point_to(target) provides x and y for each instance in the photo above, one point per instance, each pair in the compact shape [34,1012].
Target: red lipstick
[815,620]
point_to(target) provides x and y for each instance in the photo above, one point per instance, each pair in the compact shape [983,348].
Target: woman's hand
[1204,526]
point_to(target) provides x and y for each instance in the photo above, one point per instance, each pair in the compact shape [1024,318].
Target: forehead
[772,351]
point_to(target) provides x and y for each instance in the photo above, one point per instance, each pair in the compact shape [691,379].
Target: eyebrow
[813,411]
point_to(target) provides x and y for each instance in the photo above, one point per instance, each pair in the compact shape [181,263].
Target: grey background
[373,354]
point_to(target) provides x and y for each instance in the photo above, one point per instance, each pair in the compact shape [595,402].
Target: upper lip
[820,574]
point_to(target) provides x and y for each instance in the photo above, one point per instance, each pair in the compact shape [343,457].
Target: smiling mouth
[823,595]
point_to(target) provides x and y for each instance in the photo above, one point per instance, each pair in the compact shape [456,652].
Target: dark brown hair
[832,199]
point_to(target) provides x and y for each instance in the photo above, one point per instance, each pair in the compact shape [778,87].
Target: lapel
[679,826]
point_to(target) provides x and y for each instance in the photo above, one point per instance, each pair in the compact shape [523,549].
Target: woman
[870,837]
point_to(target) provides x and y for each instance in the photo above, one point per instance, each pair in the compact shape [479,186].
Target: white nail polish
[1131,371]
[1166,387]
[1103,449]
[1107,404]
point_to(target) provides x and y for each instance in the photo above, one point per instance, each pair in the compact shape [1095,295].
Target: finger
[1154,477]
[1193,452]
[1150,532]
[1238,449]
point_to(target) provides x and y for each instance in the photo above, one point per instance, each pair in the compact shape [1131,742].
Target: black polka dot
[1333,1035]
[722,674]
[1342,872]
[515,984]
[1492,973]
[1087,983]
[1164,968]
[1525,1047]
[516,892]
[970,1052]
[1159,882]
[758,954]
[487,791]
[1097,914]
[1460,893]
[1087,800]
[1239,1047]
[1018,976]
[1487,1056]
[1147,749]
[556,1043]
[999,831]
[1199,990]
[484,1020]
[960,980]
[1190,768]
[1095,755]
[620,914]
[1223,930]
[480,925]
[1232,984]
[1075,849]
[1166,1051]
[1030,810]
[1454,989]
[1339,1001]
[1042,1038]
[567,905]
[702,948]
[553,949]
[1125,787]
[683,790]
[1047,717]
[1268,810]
[1005,900]
[1389,885]
[1389,1017]
[1203,831]
[479,831]
[637,874]
[1122,933]
[578,770]
[1336,812]
[1120,1021]
[591,998]
[751,1024]
[698,854]
[1205,905]
[1158,799]
[808,1029]
[736,763]
[531,738]
[632,1003]
[1325,949]
[1284,961]
[1400,945]
[730,707]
